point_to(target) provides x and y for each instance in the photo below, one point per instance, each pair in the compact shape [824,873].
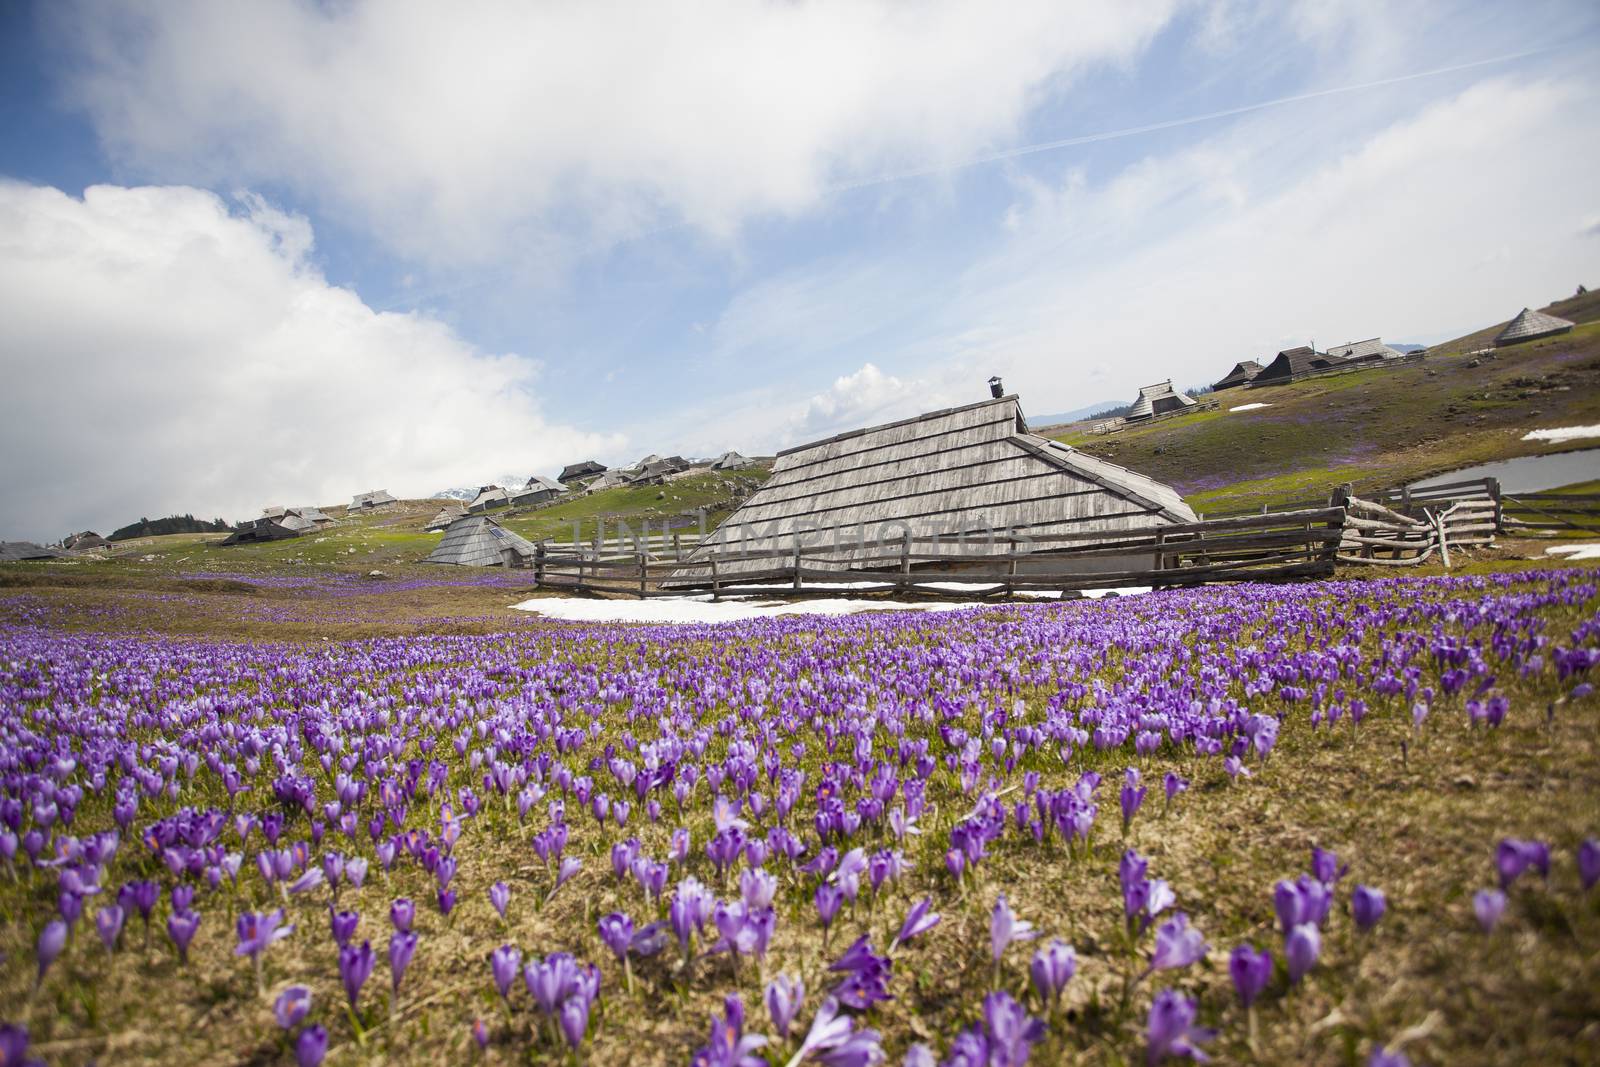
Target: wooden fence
[1551,514]
[1299,544]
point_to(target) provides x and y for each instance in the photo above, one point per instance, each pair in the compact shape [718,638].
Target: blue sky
[330,247]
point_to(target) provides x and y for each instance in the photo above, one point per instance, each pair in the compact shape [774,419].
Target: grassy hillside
[1377,429]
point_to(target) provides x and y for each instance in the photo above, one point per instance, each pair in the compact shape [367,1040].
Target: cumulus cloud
[162,353]
[459,132]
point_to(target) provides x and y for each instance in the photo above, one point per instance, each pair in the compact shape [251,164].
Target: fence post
[643,572]
[538,564]
[1161,555]
[677,546]
[797,550]
[716,583]
[1340,498]
[905,559]
[1493,485]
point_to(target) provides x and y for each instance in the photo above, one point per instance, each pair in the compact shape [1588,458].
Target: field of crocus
[1341,822]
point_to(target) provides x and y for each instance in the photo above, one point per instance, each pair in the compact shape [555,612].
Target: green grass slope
[1377,429]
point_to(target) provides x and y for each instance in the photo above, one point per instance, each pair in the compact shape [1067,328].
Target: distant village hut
[315,516]
[87,541]
[1241,374]
[447,515]
[378,498]
[1372,350]
[21,551]
[1290,364]
[479,541]
[489,497]
[731,461]
[281,528]
[1158,399]
[580,472]
[961,475]
[1530,325]
[537,490]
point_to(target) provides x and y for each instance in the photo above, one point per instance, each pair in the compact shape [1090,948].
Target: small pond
[1528,474]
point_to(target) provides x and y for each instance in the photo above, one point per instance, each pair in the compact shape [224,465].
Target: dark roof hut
[1530,324]
[85,541]
[447,514]
[537,490]
[1292,363]
[479,541]
[369,501]
[1158,399]
[265,529]
[731,461]
[965,470]
[577,472]
[18,551]
[489,497]
[1369,351]
[1241,374]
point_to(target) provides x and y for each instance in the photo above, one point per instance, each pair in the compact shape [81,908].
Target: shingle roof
[373,499]
[938,473]
[1154,399]
[1372,348]
[16,551]
[1530,324]
[580,470]
[1241,373]
[479,541]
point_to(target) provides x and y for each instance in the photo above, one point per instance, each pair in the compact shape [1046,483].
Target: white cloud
[162,354]
[459,132]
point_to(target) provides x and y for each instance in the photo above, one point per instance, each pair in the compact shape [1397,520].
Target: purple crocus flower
[1170,1030]
[505,962]
[1589,863]
[730,1046]
[1382,1057]
[918,921]
[1488,905]
[260,930]
[1367,906]
[402,913]
[14,1042]
[108,924]
[1173,785]
[1132,796]
[1177,944]
[181,927]
[829,899]
[402,946]
[784,997]
[1052,968]
[1250,970]
[499,897]
[1301,949]
[291,1006]
[52,939]
[616,933]
[355,966]
[1010,1030]
[574,1021]
[1325,866]
[344,925]
[311,1046]
[1005,928]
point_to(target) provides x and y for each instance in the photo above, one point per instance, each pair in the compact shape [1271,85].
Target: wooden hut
[1372,350]
[1241,374]
[447,514]
[1529,325]
[537,490]
[86,541]
[1292,363]
[281,528]
[1158,399]
[479,541]
[580,472]
[378,498]
[19,551]
[731,461]
[489,497]
[954,474]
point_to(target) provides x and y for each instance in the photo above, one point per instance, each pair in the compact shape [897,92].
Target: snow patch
[1562,433]
[1250,407]
[702,609]
[1574,551]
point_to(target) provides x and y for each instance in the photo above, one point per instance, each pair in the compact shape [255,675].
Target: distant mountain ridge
[1075,414]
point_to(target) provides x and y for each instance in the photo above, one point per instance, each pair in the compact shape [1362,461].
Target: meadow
[1338,822]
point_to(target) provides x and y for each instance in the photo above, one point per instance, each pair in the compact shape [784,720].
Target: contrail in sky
[1020,151]
[1168,124]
